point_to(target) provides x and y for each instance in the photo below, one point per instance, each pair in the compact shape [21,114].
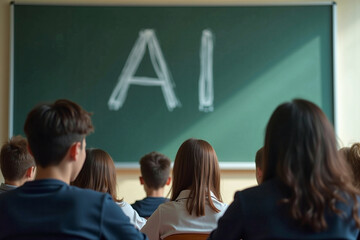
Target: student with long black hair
[307,191]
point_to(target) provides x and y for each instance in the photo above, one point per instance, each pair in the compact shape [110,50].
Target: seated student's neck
[53,172]
[154,192]
[15,183]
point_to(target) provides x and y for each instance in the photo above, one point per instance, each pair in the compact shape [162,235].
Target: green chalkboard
[209,72]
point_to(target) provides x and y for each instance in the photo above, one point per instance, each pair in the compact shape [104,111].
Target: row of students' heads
[99,173]
[52,129]
[292,125]
[299,150]
[196,169]
[73,124]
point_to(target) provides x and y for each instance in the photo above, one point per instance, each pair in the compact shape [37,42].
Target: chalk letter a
[148,38]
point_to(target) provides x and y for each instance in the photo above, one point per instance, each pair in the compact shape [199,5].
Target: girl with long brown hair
[98,173]
[307,192]
[195,204]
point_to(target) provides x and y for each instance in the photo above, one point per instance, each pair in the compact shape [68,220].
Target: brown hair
[300,150]
[15,159]
[98,173]
[352,155]
[196,168]
[51,129]
[155,169]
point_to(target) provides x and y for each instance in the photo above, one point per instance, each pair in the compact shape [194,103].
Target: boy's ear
[74,150]
[168,181]
[141,180]
[30,172]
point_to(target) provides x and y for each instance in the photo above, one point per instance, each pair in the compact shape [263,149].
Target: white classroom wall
[347,75]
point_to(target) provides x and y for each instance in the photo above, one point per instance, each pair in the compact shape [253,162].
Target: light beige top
[172,218]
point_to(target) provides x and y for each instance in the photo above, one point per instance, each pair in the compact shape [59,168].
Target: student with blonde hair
[195,204]
[98,173]
[306,192]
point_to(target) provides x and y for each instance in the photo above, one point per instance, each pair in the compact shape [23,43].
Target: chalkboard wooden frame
[224,165]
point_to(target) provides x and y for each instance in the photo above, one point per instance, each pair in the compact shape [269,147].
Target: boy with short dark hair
[48,207]
[155,171]
[17,165]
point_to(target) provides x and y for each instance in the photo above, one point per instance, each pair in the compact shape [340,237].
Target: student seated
[98,173]
[259,163]
[48,207]
[17,165]
[306,192]
[195,204]
[155,171]
[352,156]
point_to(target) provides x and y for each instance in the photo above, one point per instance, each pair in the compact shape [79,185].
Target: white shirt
[172,218]
[135,219]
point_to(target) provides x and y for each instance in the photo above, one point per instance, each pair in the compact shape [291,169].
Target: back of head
[155,169]
[300,150]
[352,156]
[15,159]
[98,173]
[196,168]
[52,128]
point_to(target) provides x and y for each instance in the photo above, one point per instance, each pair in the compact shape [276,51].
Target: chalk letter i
[206,86]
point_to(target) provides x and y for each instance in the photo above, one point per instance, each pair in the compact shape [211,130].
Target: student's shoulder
[5,194]
[87,198]
[267,188]
[168,205]
[87,193]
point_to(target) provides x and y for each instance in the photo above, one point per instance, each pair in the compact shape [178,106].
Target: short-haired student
[155,174]
[48,207]
[16,163]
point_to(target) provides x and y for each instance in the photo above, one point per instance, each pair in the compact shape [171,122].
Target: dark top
[257,214]
[51,209]
[148,205]
[5,187]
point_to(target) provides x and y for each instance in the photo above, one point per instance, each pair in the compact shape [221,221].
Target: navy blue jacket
[148,205]
[257,214]
[51,209]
